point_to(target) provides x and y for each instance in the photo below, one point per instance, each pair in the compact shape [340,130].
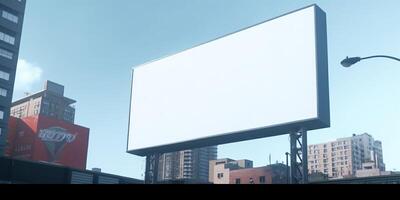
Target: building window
[7,38]
[1,114]
[9,16]
[262,179]
[237,181]
[4,75]
[3,92]
[6,54]
[220,175]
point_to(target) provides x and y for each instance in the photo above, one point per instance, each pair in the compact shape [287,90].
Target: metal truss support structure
[298,157]
[151,174]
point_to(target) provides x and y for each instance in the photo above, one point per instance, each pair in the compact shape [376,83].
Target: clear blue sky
[90,47]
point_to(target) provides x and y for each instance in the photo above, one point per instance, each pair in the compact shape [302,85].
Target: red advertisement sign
[49,140]
[21,137]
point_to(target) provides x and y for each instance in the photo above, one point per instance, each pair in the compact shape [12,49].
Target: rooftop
[39,94]
[49,88]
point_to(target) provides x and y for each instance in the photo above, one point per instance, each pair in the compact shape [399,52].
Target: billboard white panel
[262,81]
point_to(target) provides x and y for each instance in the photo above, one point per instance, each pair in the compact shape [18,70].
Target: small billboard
[266,80]
[48,140]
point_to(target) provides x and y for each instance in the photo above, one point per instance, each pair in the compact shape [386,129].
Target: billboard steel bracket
[298,157]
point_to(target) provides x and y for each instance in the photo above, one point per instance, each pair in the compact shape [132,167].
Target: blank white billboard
[262,81]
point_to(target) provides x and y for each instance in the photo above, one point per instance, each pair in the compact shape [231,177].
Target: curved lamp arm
[381,56]
[353,60]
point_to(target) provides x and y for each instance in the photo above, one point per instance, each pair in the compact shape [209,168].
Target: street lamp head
[348,62]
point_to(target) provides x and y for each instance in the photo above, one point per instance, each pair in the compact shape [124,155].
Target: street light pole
[348,62]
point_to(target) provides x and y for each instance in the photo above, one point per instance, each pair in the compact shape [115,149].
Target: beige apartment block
[343,157]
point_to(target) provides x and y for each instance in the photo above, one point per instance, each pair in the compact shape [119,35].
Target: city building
[49,102]
[370,169]
[186,165]
[272,174]
[11,21]
[220,169]
[343,157]
[16,171]
[41,129]
[169,166]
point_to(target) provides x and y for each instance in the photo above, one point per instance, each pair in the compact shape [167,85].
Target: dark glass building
[191,166]
[11,20]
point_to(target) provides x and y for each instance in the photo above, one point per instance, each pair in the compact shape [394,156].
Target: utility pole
[287,169]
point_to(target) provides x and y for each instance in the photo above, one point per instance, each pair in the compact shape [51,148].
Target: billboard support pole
[151,174]
[298,157]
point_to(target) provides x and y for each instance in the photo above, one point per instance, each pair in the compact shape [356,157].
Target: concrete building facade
[272,174]
[343,157]
[49,102]
[220,169]
[369,169]
[11,22]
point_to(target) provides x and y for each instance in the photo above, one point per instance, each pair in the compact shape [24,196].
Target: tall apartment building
[11,20]
[49,102]
[189,164]
[343,157]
